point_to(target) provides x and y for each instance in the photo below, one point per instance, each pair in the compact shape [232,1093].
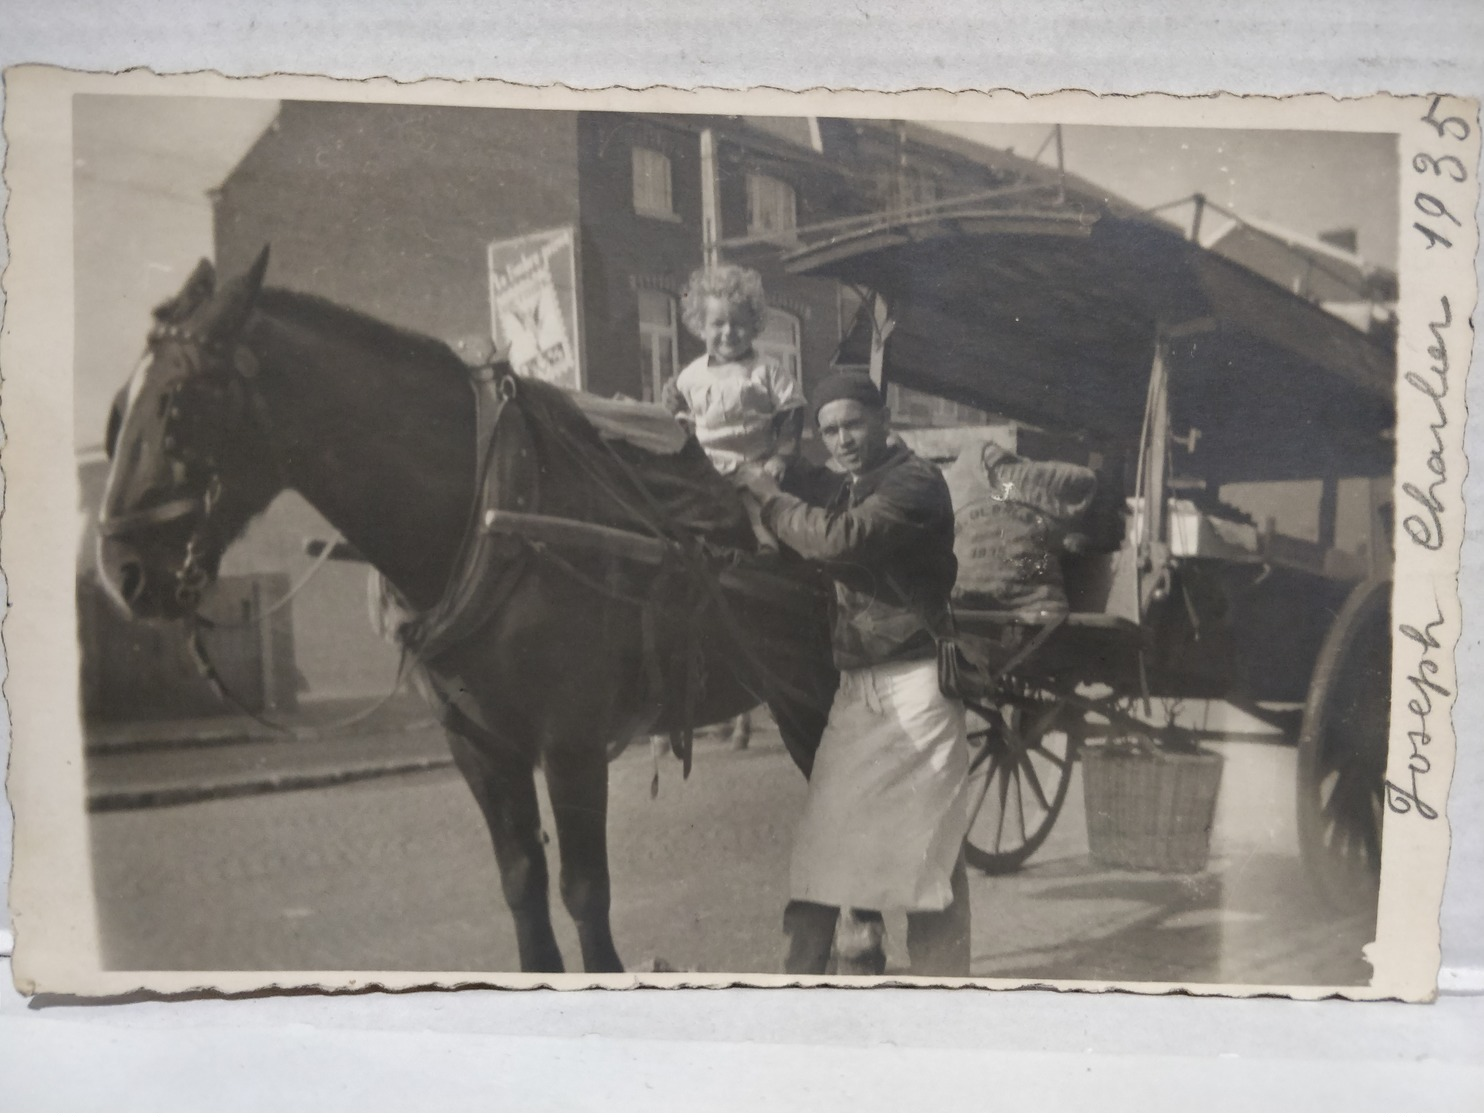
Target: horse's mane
[320,314]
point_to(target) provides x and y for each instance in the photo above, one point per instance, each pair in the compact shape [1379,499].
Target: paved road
[396,873]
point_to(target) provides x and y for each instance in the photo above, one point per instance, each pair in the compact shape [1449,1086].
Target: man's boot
[860,943]
[938,941]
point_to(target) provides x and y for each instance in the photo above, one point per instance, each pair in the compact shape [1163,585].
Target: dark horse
[246,392]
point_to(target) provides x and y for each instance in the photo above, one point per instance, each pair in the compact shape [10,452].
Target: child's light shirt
[733,406]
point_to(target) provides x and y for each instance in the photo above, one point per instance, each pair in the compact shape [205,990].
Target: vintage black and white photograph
[763,538]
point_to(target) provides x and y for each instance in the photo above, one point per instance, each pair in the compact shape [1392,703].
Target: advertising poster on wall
[534,305]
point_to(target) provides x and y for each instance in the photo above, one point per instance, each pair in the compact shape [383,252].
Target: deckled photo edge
[52,902]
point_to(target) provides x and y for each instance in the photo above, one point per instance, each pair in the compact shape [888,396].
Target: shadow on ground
[1248,920]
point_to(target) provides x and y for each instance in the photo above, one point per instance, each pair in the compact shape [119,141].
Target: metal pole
[1329,509]
[1061,168]
[900,201]
[1195,220]
[710,201]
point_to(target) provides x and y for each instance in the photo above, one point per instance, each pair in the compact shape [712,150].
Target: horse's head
[189,453]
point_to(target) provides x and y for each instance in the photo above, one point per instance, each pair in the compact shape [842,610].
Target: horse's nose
[123,570]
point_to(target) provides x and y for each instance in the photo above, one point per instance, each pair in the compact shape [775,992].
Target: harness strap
[450,619]
[681,738]
[163,513]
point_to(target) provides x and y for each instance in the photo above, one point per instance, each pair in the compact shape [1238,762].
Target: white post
[267,662]
[881,327]
[1159,442]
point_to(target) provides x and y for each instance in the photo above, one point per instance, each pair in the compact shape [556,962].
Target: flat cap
[855,386]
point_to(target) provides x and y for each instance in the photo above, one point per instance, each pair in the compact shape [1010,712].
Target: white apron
[889,798]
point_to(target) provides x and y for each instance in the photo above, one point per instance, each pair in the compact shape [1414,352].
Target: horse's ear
[228,312]
[198,288]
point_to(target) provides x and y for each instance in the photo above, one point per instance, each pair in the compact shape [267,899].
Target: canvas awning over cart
[1049,315]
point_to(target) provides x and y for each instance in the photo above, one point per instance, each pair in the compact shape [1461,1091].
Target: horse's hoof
[656,964]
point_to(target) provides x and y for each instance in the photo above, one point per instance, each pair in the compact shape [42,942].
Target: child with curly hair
[743,407]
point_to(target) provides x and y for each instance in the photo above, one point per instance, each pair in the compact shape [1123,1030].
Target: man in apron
[889,801]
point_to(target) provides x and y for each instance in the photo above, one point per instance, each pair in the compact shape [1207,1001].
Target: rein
[162,513]
[202,659]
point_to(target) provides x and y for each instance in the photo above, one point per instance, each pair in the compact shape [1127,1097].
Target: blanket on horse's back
[633,467]
[652,470]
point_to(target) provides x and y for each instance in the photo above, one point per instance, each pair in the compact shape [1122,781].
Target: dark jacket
[886,539]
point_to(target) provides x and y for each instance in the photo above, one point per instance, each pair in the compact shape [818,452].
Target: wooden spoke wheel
[1342,753]
[1021,756]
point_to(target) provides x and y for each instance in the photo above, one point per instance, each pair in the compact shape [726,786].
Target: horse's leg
[504,786]
[578,782]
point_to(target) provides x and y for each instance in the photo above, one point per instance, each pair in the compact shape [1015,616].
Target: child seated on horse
[743,407]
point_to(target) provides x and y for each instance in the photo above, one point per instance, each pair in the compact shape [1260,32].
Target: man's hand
[757,480]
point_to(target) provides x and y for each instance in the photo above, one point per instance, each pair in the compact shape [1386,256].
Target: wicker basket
[1150,809]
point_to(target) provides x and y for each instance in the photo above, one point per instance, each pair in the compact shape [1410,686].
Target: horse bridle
[227,382]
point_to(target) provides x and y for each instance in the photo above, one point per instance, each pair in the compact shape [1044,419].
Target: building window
[771,206]
[657,341]
[779,341]
[652,196]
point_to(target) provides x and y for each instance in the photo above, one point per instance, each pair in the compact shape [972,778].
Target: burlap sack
[1011,516]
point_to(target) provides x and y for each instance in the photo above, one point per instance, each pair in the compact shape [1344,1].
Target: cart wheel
[1021,769]
[1342,753]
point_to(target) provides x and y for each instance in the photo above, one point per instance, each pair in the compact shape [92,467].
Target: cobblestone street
[396,872]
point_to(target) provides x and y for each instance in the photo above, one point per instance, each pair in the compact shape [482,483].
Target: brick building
[391,208]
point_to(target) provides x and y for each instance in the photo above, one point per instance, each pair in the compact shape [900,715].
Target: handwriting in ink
[1425,527]
[1448,128]
[1404,800]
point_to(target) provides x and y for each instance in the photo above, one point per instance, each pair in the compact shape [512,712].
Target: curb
[245,736]
[99,802]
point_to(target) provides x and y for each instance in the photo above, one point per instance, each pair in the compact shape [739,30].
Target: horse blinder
[201,411]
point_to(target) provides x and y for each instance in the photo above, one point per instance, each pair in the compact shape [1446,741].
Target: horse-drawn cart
[1119,343]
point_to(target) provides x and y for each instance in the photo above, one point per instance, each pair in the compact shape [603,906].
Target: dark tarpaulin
[1049,317]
